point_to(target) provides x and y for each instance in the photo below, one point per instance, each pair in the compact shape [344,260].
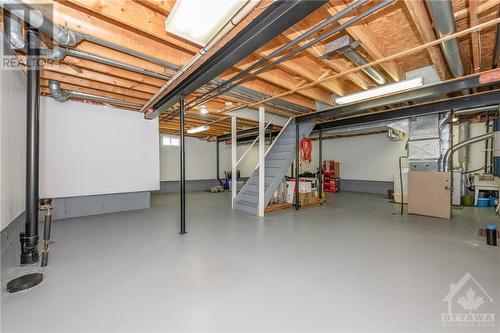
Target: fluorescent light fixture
[199,20]
[203,109]
[387,89]
[198,129]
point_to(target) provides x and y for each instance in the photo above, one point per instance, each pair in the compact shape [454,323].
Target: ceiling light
[198,129]
[387,89]
[198,21]
[203,109]
[455,119]
[228,103]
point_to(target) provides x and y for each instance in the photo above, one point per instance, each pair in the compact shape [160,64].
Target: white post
[262,159]
[234,158]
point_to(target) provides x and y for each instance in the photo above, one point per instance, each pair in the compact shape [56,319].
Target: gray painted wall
[365,186]
[65,208]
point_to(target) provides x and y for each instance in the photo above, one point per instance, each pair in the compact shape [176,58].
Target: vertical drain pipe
[29,239]
[297,161]
[182,151]
[320,161]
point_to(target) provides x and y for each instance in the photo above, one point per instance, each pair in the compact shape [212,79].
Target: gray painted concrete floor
[351,265]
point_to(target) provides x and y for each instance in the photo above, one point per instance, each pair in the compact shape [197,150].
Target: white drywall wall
[12,144]
[476,150]
[366,157]
[90,149]
[201,160]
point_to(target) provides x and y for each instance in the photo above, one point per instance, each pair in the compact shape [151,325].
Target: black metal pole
[320,161]
[297,159]
[182,166]
[29,238]
[218,162]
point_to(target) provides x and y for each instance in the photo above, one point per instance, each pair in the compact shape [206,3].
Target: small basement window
[168,141]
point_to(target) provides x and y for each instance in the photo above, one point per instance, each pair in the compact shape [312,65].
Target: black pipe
[183,166]
[217,165]
[297,157]
[401,184]
[287,56]
[320,161]
[29,238]
[292,173]
[487,144]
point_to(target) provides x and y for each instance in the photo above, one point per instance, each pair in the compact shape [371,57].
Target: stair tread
[246,203]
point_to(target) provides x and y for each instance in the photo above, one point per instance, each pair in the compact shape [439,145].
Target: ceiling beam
[316,51]
[369,42]
[423,24]
[476,51]
[133,16]
[464,13]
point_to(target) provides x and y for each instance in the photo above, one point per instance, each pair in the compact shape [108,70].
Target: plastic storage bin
[483,202]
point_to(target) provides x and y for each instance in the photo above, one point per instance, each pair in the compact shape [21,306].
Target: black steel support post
[29,238]
[320,161]
[297,161]
[182,151]
[217,166]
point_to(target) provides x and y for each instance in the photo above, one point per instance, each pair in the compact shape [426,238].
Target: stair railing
[254,142]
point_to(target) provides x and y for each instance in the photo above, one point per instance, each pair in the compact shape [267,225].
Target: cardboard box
[304,197]
[336,170]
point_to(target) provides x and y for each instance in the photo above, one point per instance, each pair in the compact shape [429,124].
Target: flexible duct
[444,22]
[14,31]
[449,153]
[63,95]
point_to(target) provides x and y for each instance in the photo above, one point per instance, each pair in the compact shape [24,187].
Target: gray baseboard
[70,207]
[365,186]
[191,185]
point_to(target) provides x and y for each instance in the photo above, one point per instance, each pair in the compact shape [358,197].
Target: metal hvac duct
[345,46]
[444,23]
[36,19]
[63,95]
